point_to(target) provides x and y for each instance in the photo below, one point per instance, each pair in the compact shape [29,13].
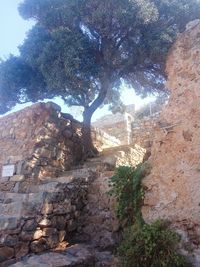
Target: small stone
[6,253]
[11,240]
[62,235]
[19,167]
[47,209]
[53,240]
[71,225]
[39,246]
[21,249]
[26,236]
[60,222]
[30,225]
[61,209]
[49,232]
[45,223]
[37,234]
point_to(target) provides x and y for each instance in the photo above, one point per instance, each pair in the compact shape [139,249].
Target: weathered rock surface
[74,256]
[123,155]
[38,221]
[98,216]
[39,141]
[58,211]
[173,186]
[78,255]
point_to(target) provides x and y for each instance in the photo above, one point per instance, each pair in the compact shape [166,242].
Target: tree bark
[88,148]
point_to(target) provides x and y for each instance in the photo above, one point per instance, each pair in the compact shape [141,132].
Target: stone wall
[99,216]
[143,130]
[39,141]
[41,220]
[118,126]
[102,140]
[57,212]
[173,186]
[43,200]
[128,128]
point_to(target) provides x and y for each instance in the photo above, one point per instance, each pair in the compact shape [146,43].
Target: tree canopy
[81,50]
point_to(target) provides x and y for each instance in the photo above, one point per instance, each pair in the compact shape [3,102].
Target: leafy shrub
[151,245]
[143,245]
[126,187]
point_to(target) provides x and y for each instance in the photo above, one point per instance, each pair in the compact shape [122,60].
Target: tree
[82,49]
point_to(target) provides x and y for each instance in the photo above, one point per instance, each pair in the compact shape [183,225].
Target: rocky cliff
[173,187]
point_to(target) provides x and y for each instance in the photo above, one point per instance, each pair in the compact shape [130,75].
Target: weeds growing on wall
[143,245]
[127,188]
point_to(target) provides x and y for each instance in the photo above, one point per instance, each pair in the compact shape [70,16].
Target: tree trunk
[88,148]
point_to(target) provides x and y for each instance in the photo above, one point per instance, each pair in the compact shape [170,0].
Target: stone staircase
[69,219]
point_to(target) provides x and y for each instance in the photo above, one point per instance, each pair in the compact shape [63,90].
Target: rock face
[39,141]
[143,130]
[173,187]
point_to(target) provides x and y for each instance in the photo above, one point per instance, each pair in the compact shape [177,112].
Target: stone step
[84,172]
[99,165]
[79,172]
[78,255]
[50,184]
[110,150]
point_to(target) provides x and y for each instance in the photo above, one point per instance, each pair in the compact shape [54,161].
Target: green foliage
[127,189]
[153,245]
[143,245]
[82,50]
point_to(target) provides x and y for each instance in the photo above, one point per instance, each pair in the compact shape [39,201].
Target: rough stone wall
[118,126]
[39,141]
[143,130]
[56,213]
[102,140]
[125,129]
[173,187]
[98,215]
[41,220]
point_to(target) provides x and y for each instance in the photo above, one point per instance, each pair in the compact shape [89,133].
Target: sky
[13,31]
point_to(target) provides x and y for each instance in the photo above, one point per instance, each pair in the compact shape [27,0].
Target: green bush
[151,245]
[143,245]
[128,191]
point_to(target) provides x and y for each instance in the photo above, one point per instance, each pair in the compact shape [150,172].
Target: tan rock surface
[173,187]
